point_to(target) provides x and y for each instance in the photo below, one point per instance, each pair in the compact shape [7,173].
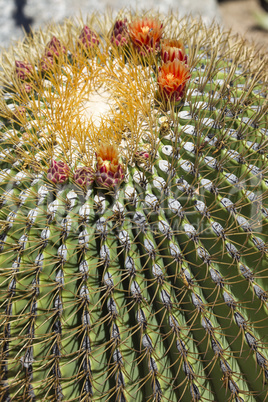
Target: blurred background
[246,17]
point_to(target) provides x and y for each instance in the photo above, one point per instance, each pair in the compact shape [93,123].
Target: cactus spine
[134,214]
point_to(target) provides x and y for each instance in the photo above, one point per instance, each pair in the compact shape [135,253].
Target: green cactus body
[154,288]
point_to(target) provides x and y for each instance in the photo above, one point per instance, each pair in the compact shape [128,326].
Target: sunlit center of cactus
[98,106]
[104,100]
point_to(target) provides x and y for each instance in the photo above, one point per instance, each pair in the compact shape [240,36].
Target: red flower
[172,79]
[109,172]
[146,34]
[172,49]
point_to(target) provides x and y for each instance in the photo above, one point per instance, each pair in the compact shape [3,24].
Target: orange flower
[172,49]
[109,172]
[107,155]
[146,34]
[172,79]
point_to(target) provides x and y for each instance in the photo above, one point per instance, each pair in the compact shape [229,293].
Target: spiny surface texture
[134,214]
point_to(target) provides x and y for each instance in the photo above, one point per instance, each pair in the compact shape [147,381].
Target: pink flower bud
[88,38]
[84,176]
[120,36]
[142,155]
[58,172]
[26,87]
[46,63]
[24,70]
[54,48]
[20,113]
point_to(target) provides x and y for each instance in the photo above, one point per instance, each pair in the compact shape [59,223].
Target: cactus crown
[134,208]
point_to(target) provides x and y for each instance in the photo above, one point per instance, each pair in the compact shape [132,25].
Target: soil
[239,16]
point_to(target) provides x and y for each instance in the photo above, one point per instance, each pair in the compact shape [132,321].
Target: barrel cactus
[134,210]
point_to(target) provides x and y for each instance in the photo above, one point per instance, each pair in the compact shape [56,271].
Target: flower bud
[88,39]
[54,48]
[58,172]
[24,70]
[84,176]
[172,49]
[120,36]
[109,172]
